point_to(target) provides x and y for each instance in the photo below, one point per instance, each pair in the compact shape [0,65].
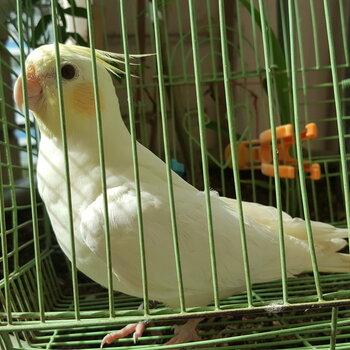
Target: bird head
[77,86]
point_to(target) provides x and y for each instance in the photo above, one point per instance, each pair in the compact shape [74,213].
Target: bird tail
[328,240]
[335,263]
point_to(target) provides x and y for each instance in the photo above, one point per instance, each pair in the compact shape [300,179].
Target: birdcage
[248,98]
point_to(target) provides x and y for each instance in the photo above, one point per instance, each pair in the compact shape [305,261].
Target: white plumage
[260,221]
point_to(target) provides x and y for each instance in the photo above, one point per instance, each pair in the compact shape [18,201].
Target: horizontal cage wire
[153,155]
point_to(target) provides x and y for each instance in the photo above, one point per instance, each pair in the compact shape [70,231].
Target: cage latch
[257,153]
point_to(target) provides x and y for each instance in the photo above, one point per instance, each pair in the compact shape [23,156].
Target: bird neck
[83,138]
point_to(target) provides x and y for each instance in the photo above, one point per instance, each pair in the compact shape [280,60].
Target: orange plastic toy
[257,154]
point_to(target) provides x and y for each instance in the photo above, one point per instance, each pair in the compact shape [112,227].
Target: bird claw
[136,328]
[134,337]
[103,342]
[107,339]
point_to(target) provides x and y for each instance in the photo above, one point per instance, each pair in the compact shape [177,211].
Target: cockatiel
[88,214]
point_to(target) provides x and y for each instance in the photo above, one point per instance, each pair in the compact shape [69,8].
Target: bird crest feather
[109,60]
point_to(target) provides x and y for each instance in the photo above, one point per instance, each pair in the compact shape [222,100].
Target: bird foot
[185,333]
[136,328]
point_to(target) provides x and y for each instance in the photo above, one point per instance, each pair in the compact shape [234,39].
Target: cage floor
[309,328]
[297,330]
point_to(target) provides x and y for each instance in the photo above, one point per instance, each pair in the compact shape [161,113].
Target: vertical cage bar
[47,227]
[58,289]
[333,341]
[203,143]
[167,155]
[30,166]
[139,25]
[306,109]
[22,288]
[49,298]
[266,47]
[14,210]
[246,102]
[18,296]
[284,32]
[256,48]
[101,157]
[216,96]
[191,145]
[66,159]
[104,25]
[2,211]
[74,24]
[30,289]
[169,73]
[329,192]
[189,162]
[181,36]
[338,109]
[343,32]
[314,32]
[134,157]
[6,341]
[157,142]
[255,38]
[302,183]
[4,252]
[233,142]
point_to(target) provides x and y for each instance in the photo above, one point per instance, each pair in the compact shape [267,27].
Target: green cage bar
[102,159]
[266,36]
[4,259]
[66,160]
[197,74]
[341,132]
[33,200]
[167,158]
[305,107]
[135,158]
[233,141]
[300,156]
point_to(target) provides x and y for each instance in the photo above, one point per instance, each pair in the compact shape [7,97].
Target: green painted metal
[196,79]
[290,326]
[314,31]
[299,153]
[203,143]
[337,102]
[266,44]
[246,101]
[167,157]
[102,160]
[33,199]
[66,157]
[135,158]
[4,260]
[334,322]
[216,94]
[233,141]
[305,97]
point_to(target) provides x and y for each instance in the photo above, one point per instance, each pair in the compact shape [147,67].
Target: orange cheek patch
[30,72]
[82,99]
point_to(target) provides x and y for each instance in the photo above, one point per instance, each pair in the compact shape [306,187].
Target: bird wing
[193,241]
[295,227]
[124,238]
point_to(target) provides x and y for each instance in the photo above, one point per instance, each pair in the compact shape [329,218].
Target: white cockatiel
[88,214]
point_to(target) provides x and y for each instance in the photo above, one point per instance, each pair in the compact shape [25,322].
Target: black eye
[68,71]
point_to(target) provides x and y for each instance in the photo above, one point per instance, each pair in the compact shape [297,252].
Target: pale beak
[34,90]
